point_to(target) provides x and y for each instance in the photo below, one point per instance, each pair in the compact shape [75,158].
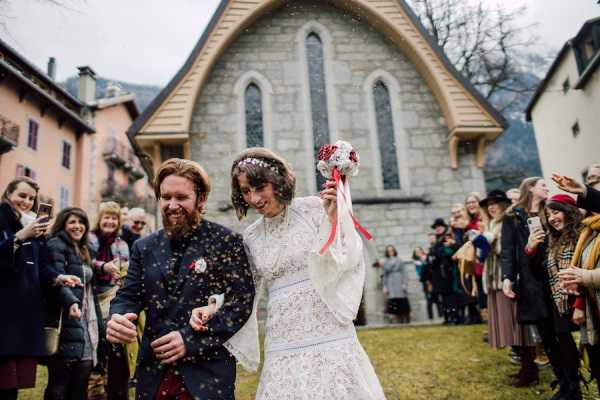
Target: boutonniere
[198,266]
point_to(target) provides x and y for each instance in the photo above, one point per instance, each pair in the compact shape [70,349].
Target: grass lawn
[415,363]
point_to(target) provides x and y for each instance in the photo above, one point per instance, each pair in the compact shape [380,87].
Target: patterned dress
[310,353]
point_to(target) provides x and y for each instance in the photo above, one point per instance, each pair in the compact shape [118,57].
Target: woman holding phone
[564,226]
[523,275]
[25,278]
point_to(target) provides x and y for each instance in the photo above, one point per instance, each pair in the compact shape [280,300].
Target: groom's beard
[183,225]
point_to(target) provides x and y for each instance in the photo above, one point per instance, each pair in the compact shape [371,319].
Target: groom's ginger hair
[186,169]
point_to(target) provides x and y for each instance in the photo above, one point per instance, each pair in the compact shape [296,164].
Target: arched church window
[254,116]
[385,134]
[318,96]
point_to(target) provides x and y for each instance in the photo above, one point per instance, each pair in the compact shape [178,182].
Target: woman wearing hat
[564,226]
[504,330]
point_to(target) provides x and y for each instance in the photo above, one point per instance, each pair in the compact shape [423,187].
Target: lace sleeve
[311,208]
[244,345]
[339,274]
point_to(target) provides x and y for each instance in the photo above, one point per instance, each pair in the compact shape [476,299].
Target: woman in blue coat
[78,351]
[25,276]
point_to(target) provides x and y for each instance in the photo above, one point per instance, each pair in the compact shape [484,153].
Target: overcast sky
[147,41]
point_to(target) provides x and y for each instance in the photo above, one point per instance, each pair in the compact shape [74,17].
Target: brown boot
[528,374]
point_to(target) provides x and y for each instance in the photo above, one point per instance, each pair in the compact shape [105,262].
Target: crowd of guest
[525,262]
[529,264]
[59,274]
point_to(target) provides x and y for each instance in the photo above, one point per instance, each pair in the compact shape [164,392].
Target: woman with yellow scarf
[584,275]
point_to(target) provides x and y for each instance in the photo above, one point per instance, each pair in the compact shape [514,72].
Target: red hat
[563,198]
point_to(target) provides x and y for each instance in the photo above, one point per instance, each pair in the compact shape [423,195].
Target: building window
[168,151]
[32,134]
[66,155]
[566,86]
[254,116]
[64,197]
[575,129]
[385,134]
[23,170]
[318,96]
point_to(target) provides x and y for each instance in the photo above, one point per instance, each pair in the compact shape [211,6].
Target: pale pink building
[75,148]
[41,130]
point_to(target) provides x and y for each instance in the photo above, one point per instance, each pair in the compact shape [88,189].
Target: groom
[171,272]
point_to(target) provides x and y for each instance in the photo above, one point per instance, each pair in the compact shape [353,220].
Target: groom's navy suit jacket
[208,369]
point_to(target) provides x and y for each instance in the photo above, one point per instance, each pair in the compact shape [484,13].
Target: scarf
[104,246]
[591,226]
[557,261]
[90,318]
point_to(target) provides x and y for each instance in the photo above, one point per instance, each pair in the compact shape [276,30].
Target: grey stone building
[297,74]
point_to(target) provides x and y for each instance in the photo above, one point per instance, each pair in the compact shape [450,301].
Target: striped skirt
[504,330]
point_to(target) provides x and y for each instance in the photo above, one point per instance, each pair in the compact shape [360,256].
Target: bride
[311,347]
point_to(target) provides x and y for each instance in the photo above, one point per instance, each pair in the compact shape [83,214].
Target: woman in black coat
[25,278]
[69,369]
[524,277]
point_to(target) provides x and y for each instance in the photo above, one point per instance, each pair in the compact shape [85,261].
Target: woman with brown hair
[523,276]
[26,278]
[312,300]
[563,228]
[69,369]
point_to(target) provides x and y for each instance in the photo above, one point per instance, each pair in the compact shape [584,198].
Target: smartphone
[44,211]
[534,223]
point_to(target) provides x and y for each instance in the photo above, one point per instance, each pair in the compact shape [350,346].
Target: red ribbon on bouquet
[339,179]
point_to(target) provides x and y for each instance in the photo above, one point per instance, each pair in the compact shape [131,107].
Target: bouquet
[339,162]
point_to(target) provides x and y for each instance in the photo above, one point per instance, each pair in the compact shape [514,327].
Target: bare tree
[5,9]
[487,45]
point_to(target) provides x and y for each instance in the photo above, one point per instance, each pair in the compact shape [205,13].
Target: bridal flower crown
[260,163]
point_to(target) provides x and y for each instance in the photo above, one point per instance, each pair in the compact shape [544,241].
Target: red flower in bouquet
[326,151]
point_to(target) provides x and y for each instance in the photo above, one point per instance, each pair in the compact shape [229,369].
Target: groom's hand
[120,328]
[169,348]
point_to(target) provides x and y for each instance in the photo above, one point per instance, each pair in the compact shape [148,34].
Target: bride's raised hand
[201,315]
[329,196]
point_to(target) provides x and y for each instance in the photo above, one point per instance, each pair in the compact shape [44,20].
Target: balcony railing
[123,157]
[9,135]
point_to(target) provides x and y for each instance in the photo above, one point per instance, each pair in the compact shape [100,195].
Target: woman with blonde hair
[110,260]
[477,224]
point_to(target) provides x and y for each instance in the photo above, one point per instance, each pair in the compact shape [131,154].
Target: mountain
[144,94]
[514,156]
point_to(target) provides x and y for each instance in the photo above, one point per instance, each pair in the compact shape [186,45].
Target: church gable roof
[467,112]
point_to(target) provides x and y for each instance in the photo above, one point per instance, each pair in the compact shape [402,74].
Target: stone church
[293,75]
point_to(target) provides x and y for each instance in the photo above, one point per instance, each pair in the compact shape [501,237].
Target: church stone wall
[353,51]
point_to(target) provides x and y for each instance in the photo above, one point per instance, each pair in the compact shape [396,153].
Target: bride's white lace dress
[311,347]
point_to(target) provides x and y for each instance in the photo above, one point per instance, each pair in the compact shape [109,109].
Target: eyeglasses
[141,223]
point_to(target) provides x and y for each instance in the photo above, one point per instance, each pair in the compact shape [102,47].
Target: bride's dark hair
[261,166]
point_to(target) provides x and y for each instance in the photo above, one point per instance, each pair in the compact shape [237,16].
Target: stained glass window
[385,133]
[254,116]
[318,96]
